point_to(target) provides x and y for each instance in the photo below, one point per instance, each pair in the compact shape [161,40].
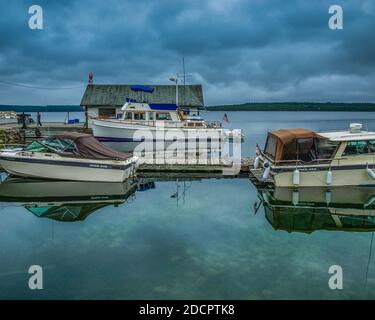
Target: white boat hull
[318,178]
[52,166]
[126,137]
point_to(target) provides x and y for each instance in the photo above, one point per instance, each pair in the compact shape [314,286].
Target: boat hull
[61,168]
[318,178]
[126,137]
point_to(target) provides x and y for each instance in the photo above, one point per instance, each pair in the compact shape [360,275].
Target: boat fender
[329,177]
[295,197]
[267,169]
[296,177]
[328,197]
[371,173]
[256,163]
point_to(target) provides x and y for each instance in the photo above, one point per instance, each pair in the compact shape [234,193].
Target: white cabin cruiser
[69,156]
[304,158]
[159,124]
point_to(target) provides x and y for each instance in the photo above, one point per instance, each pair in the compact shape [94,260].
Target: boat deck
[256,177]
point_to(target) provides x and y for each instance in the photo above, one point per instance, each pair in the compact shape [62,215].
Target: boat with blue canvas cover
[69,156]
[157,122]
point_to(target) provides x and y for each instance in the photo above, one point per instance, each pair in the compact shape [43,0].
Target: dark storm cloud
[239,50]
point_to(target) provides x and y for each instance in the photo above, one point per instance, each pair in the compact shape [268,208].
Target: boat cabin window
[129,116]
[354,148]
[107,112]
[139,116]
[326,149]
[151,116]
[270,148]
[163,116]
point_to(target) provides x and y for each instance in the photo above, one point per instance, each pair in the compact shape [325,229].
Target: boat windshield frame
[63,149]
[282,144]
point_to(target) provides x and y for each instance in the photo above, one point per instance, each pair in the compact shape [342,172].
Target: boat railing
[213,124]
[168,123]
[299,162]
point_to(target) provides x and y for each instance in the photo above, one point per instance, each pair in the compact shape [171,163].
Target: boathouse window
[107,112]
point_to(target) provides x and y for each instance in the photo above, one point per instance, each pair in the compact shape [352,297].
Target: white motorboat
[69,156]
[159,125]
[304,158]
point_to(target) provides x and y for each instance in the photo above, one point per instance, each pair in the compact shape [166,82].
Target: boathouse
[106,100]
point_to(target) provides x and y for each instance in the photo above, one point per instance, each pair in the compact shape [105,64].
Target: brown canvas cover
[284,136]
[89,147]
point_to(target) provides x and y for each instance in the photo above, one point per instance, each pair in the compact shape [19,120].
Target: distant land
[294,106]
[48,108]
[252,106]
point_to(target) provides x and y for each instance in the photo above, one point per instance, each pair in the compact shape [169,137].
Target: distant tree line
[295,106]
[48,108]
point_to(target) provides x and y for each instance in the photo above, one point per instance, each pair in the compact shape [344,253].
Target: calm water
[200,239]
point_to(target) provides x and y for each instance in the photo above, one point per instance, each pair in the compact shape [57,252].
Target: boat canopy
[142,89]
[163,106]
[77,145]
[293,144]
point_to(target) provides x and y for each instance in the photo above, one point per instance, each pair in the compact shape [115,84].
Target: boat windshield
[52,145]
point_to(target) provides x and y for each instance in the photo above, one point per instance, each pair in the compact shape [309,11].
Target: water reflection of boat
[64,200]
[310,209]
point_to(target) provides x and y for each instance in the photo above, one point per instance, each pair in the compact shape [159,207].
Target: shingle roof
[115,95]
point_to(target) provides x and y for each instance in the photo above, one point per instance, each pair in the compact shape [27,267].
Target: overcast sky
[239,50]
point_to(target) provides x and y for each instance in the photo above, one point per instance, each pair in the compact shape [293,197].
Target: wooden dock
[14,134]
